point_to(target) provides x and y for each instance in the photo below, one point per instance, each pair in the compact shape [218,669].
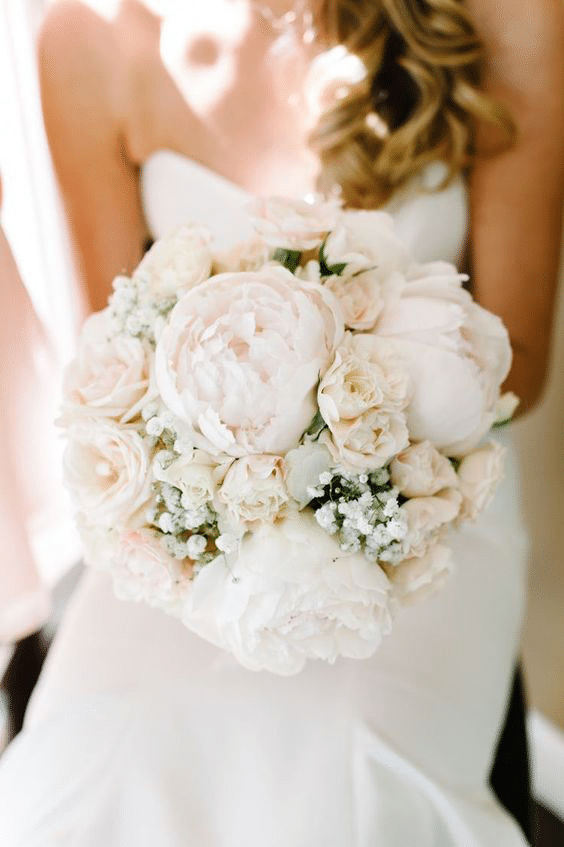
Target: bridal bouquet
[272,443]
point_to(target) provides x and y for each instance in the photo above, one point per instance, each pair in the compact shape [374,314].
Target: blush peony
[239,358]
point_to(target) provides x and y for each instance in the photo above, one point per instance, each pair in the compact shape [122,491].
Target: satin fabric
[140,733]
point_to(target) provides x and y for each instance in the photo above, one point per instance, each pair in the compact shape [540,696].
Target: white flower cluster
[133,314]
[363,511]
[260,439]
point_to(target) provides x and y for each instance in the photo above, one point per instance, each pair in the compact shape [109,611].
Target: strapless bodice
[176,190]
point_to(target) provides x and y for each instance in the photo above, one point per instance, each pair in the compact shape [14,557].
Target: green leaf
[316,425]
[289,258]
[329,270]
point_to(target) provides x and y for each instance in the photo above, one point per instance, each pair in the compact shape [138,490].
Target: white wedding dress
[140,734]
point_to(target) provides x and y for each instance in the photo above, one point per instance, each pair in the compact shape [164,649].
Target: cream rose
[239,358]
[254,489]
[291,595]
[245,256]
[361,298]
[365,239]
[366,373]
[195,475]
[369,441]
[294,224]
[457,354]
[109,375]
[420,576]
[420,471]
[176,262]
[479,475]
[107,471]
[428,515]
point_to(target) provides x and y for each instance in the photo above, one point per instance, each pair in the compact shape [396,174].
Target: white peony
[304,465]
[479,475]
[369,441]
[294,224]
[366,239]
[420,576]
[366,373]
[426,516]
[291,595]
[109,375]
[420,471]
[107,471]
[254,489]
[239,359]
[176,262]
[457,354]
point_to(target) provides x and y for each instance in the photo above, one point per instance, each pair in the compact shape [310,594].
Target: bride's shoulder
[90,63]
[74,35]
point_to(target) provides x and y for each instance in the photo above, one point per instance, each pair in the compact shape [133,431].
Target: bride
[140,733]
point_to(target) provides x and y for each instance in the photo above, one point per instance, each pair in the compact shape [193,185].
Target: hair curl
[420,101]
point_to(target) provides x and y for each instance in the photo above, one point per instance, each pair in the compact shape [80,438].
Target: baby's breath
[363,511]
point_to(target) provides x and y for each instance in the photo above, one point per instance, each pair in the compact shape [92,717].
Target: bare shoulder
[96,71]
[524,41]
[79,66]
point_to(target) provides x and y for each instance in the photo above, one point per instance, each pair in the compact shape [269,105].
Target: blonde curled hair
[419,102]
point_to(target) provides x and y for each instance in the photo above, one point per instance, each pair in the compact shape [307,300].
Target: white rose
[292,594]
[420,471]
[254,489]
[176,262]
[479,474]
[366,373]
[108,376]
[363,240]
[369,441]
[428,515]
[420,576]
[304,465]
[239,359]
[457,354]
[193,474]
[107,471]
[294,224]
[244,256]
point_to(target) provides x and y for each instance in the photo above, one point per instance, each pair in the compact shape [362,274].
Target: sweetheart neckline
[431,175]
[198,166]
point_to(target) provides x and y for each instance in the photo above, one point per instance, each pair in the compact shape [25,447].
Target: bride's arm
[517,197]
[85,94]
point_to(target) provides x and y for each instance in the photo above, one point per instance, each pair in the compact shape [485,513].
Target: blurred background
[32,218]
